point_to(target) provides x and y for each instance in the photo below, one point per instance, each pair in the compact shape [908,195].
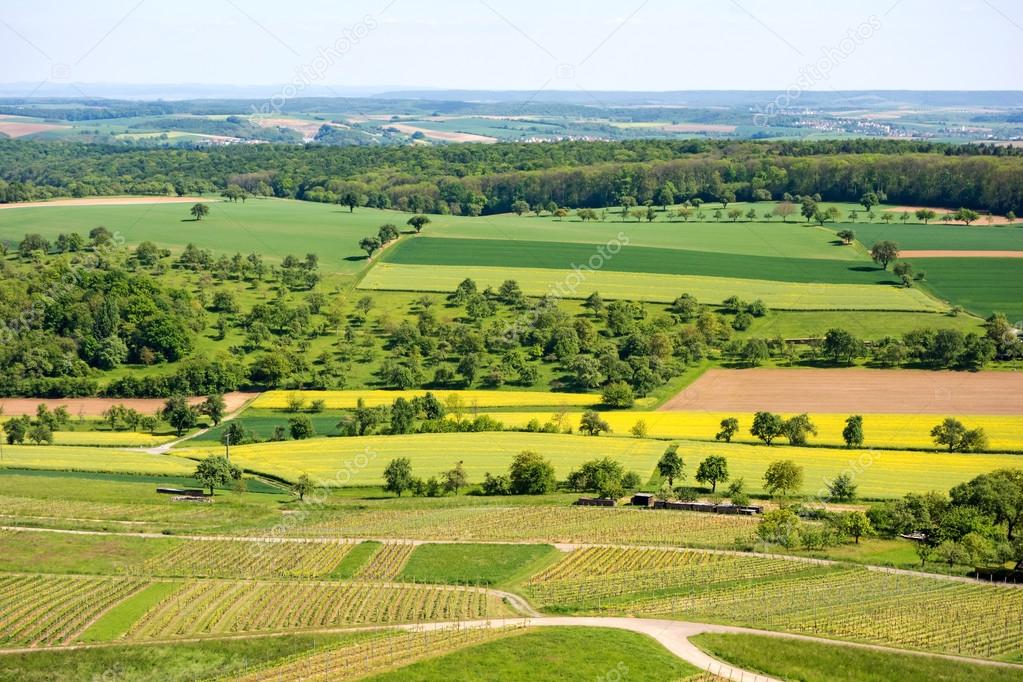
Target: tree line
[473,179]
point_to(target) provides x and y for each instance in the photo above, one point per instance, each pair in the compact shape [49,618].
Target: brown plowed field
[108,201]
[853,391]
[94,407]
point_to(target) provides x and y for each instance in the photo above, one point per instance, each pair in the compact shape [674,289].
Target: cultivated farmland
[853,391]
[219,607]
[658,288]
[469,400]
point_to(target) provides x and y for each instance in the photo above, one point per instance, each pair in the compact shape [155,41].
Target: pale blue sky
[521,44]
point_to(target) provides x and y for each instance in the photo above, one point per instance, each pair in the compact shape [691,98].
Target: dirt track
[853,390]
[94,407]
[960,254]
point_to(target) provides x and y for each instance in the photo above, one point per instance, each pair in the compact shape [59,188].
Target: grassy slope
[552,654]
[813,662]
[481,564]
[554,255]
[790,324]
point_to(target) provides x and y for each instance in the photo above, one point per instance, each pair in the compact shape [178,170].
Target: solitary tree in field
[199,211]
[869,201]
[847,236]
[767,426]
[798,429]
[785,209]
[784,476]
[418,222]
[455,479]
[729,427]
[214,408]
[952,434]
[966,215]
[592,424]
[179,414]
[925,215]
[303,486]
[370,245]
[842,488]
[349,199]
[713,470]
[519,207]
[671,466]
[808,209]
[398,476]
[852,434]
[855,524]
[884,252]
[216,471]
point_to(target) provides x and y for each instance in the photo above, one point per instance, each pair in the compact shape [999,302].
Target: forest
[486,179]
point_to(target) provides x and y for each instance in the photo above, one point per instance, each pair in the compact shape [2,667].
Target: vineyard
[387,562]
[242,559]
[597,576]
[541,524]
[374,654]
[205,607]
[43,610]
[848,603]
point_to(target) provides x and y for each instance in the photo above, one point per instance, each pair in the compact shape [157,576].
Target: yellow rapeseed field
[1005,433]
[121,439]
[339,400]
[93,459]
[361,461]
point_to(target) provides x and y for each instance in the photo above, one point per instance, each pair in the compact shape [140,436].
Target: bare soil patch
[94,407]
[109,201]
[442,134]
[960,254]
[307,128]
[853,391]
[16,128]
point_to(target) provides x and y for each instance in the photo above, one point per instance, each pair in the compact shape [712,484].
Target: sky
[516,45]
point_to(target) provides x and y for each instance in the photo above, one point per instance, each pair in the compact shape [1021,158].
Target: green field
[818,662]
[476,564]
[560,256]
[660,288]
[981,285]
[916,237]
[784,240]
[794,324]
[555,654]
[274,228]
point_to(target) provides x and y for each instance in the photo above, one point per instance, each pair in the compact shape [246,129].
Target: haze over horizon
[56,45]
